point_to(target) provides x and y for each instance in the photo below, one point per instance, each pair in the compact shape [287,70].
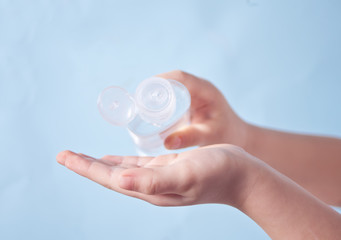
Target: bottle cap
[116,106]
[155,100]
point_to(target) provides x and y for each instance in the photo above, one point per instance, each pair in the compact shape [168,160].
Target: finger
[150,181]
[97,171]
[61,157]
[191,82]
[193,135]
[195,86]
[162,160]
[165,200]
[87,156]
[110,160]
[135,161]
[127,161]
[89,167]
[108,176]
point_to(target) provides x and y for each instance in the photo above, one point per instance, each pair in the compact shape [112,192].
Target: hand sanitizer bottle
[158,108]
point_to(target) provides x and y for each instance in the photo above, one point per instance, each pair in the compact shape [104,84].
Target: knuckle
[67,152]
[180,74]
[191,139]
[91,169]
[157,202]
[150,186]
[237,149]
[189,179]
[233,148]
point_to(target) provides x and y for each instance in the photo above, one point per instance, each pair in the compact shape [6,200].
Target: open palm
[187,178]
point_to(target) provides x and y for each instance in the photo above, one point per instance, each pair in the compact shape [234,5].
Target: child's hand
[212,119]
[213,174]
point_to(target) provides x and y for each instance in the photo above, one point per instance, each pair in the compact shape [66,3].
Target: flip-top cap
[116,106]
[155,100]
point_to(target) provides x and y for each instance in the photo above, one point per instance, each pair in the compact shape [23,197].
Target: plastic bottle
[158,108]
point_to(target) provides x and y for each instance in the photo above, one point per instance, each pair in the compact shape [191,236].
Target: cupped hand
[213,174]
[212,119]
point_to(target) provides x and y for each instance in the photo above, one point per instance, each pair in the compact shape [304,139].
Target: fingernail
[126,182]
[175,143]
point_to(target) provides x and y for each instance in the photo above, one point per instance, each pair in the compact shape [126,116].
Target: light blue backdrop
[277,62]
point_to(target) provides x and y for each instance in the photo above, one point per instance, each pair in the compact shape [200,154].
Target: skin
[224,174]
[227,174]
[188,178]
[314,162]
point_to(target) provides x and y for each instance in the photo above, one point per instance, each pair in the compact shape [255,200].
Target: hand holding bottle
[212,119]
[157,108]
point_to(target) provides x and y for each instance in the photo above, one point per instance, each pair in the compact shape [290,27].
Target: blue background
[277,62]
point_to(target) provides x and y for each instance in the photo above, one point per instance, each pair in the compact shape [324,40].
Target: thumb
[192,135]
[150,181]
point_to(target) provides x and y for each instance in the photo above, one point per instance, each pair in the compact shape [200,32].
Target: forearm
[313,162]
[287,211]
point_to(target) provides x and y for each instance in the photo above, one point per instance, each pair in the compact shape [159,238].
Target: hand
[212,119]
[213,174]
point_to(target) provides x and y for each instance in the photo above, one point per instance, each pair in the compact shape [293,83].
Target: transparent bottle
[158,108]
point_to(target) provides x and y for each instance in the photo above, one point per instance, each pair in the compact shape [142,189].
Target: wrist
[258,184]
[239,133]
[248,172]
[252,137]
[276,201]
